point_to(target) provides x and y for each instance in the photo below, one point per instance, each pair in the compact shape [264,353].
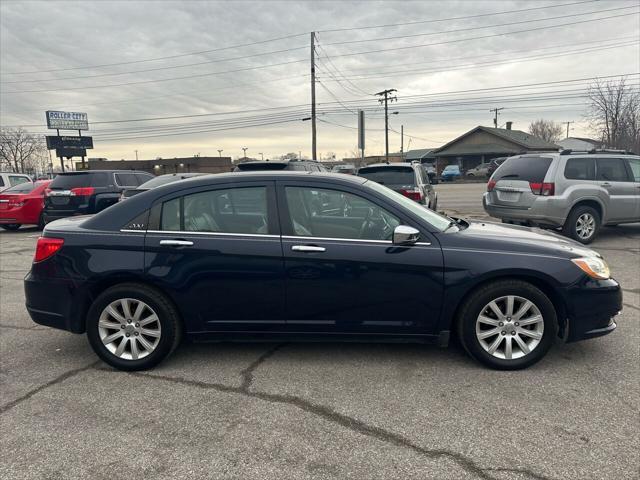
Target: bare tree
[20,151]
[614,114]
[547,130]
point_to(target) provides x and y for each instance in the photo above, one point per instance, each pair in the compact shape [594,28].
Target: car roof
[384,165]
[84,172]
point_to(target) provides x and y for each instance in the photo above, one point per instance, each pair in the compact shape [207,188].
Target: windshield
[449,168]
[438,221]
[389,175]
[529,168]
[75,180]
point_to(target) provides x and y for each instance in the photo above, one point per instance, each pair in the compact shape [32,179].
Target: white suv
[577,191]
[10,179]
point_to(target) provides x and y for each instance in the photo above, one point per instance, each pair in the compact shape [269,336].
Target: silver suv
[577,191]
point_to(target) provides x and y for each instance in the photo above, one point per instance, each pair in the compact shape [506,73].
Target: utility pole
[402,142]
[220,152]
[261,156]
[568,123]
[386,100]
[314,155]
[136,155]
[495,118]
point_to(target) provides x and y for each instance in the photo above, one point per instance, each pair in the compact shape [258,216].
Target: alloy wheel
[585,226]
[129,329]
[509,327]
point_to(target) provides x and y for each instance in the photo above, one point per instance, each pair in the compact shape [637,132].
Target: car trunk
[396,178]
[519,181]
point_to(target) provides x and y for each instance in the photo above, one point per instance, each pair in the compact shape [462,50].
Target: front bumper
[592,306]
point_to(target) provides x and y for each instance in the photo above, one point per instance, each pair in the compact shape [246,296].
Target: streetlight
[261,156]
[244,149]
[220,152]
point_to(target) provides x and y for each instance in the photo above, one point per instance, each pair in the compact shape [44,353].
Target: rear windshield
[26,187]
[528,168]
[243,167]
[389,175]
[75,180]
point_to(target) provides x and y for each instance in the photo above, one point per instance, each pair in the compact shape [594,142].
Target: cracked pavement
[319,411]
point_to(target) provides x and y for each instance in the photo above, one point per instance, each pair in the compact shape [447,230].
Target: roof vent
[509,125]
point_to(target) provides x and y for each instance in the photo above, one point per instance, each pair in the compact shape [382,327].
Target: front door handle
[606,184]
[176,243]
[307,248]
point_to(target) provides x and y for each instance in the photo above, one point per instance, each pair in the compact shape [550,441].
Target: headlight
[594,267]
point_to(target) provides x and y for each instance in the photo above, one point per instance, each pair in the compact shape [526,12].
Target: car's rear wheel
[133,327]
[507,325]
[582,224]
[10,226]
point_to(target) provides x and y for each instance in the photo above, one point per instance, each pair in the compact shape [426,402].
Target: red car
[22,205]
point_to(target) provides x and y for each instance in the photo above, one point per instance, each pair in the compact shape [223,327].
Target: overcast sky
[64,55]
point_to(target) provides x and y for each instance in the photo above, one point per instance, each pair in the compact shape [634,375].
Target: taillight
[491,185]
[544,189]
[47,192]
[82,191]
[46,247]
[415,194]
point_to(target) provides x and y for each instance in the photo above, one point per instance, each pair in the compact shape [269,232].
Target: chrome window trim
[219,234]
[261,235]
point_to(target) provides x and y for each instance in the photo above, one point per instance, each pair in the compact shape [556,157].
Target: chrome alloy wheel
[129,329]
[509,327]
[585,225]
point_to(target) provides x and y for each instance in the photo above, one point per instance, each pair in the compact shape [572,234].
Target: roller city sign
[67,120]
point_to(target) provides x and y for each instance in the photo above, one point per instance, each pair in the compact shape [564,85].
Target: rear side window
[18,179]
[231,210]
[1,182]
[528,168]
[126,179]
[75,180]
[389,175]
[634,163]
[580,169]
[612,170]
[141,178]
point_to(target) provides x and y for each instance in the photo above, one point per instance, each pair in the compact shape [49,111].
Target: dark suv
[298,165]
[81,193]
[409,179]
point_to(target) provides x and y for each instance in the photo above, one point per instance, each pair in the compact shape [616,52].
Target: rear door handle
[606,184]
[307,248]
[176,243]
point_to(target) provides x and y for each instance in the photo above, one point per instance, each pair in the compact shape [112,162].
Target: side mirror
[405,235]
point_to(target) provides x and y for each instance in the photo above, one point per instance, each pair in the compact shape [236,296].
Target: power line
[158,58]
[155,80]
[421,22]
[480,27]
[407,47]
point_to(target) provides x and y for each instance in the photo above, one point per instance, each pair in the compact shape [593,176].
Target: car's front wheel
[507,325]
[133,327]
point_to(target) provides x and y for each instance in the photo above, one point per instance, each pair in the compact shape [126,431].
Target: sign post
[68,146]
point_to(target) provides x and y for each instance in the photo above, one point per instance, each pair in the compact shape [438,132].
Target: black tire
[12,227]
[169,319]
[570,228]
[475,303]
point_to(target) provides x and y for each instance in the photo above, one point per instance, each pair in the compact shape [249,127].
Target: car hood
[497,236]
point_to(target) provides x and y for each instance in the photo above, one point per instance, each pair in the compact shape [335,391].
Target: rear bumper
[592,306]
[54,303]
[51,215]
[545,211]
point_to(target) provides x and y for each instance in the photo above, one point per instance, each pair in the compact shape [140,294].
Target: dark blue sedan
[309,256]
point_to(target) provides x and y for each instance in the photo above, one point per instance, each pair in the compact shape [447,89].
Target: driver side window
[325,213]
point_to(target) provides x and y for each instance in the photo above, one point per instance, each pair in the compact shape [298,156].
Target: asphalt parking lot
[334,411]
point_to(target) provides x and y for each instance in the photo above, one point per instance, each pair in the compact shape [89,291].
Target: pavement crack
[330,415]
[631,290]
[16,327]
[529,473]
[628,305]
[247,373]
[61,378]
